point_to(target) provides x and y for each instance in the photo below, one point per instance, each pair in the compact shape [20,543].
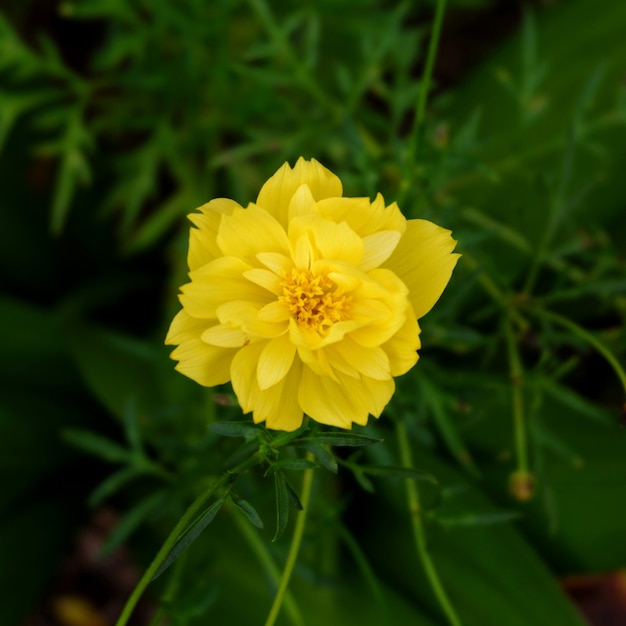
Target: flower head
[307,301]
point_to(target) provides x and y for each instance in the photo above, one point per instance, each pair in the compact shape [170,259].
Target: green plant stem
[266,560]
[422,97]
[586,336]
[173,536]
[519,422]
[173,584]
[307,483]
[412,494]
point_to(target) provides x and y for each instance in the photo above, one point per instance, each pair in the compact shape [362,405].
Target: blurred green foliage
[118,118]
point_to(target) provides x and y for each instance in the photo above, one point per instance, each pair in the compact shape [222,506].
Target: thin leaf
[325,458]
[282,504]
[364,481]
[477,519]
[291,464]
[340,439]
[294,498]
[283,438]
[234,429]
[130,522]
[132,430]
[248,510]
[97,445]
[112,484]
[190,534]
[391,471]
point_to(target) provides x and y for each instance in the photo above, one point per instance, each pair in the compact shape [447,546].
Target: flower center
[313,300]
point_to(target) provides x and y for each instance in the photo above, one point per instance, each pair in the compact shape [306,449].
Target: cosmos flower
[307,301]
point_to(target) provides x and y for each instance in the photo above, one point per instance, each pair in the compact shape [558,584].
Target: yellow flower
[307,301]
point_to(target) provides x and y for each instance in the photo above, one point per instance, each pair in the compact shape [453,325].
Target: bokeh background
[118,118]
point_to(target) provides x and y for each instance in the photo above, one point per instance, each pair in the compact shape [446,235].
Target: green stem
[519,423]
[307,483]
[422,98]
[413,501]
[266,560]
[173,537]
[173,585]
[585,335]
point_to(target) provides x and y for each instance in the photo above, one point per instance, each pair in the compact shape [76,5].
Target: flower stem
[173,537]
[413,501]
[422,98]
[307,483]
[522,482]
[266,560]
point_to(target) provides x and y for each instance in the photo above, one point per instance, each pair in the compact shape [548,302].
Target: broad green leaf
[489,572]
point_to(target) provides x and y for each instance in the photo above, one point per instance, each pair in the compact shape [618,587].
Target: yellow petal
[323,239]
[363,216]
[403,346]
[225,336]
[203,246]
[265,278]
[372,362]
[275,361]
[278,406]
[380,306]
[344,401]
[249,231]
[424,261]
[218,282]
[302,203]
[277,192]
[378,247]
[280,264]
[184,327]
[207,365]
[245,315]
[274,312]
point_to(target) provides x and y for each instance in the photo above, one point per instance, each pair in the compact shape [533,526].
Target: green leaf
[283,438]
[294,498]
[476,519]
[131,521]
[97,445]
[325,458]
[291,464]
[112,484]
[235,429]
[190,534]
[282,504]
[248,510]
[392,471]
[340,439]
